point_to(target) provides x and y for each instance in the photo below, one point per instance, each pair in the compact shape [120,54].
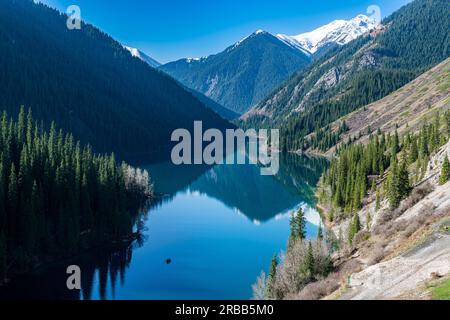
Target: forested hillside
[89,84]
[57,197]
[409,42]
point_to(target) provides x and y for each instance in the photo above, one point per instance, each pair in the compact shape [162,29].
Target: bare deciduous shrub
[349,267]
[423,219]
[416,195]
[386,229]
[377,254]
[360,237]
[427,209]
[259,287]
[326,286]
[413,226]
[320,289]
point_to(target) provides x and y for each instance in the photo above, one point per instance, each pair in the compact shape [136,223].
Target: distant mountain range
[90,85]
[246,72]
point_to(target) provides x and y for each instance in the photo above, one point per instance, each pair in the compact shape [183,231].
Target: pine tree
[354,228]
[413,152]
[445,172]
[298,225]
[393,185]
[309,263]
[13,194]
[378,200]
[395,144]
[270,288]
[403,181]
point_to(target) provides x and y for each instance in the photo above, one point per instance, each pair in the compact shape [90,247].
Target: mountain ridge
[242,74]
[337,32]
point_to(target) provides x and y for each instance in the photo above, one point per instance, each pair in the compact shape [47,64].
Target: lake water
[211,233]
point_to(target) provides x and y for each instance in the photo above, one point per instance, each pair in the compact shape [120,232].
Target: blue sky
[173,29]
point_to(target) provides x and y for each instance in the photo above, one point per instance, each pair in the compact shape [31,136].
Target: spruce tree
[445,171]
[413,152]
[403,181]
[13,192]
[354,228]
[393,185]
[270,288]
[298,226]
[309,263]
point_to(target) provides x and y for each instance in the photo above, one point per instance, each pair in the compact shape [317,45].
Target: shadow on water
[239,188]
[50,283]
[261,198]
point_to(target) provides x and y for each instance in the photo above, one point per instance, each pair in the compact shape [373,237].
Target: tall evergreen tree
[378,200]
[298,226]
[354,228]
[393,185]
[403,181]
[445,171]
[270,288]
[308,264]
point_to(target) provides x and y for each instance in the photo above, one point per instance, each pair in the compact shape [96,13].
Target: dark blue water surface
[209,235]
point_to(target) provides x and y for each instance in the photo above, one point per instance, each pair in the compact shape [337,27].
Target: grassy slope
[442,291]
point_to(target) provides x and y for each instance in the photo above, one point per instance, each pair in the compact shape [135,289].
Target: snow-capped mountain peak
[256,33]
[139,54]
[337,32]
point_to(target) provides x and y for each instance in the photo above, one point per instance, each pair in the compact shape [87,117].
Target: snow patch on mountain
[140,55]
[337,32]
